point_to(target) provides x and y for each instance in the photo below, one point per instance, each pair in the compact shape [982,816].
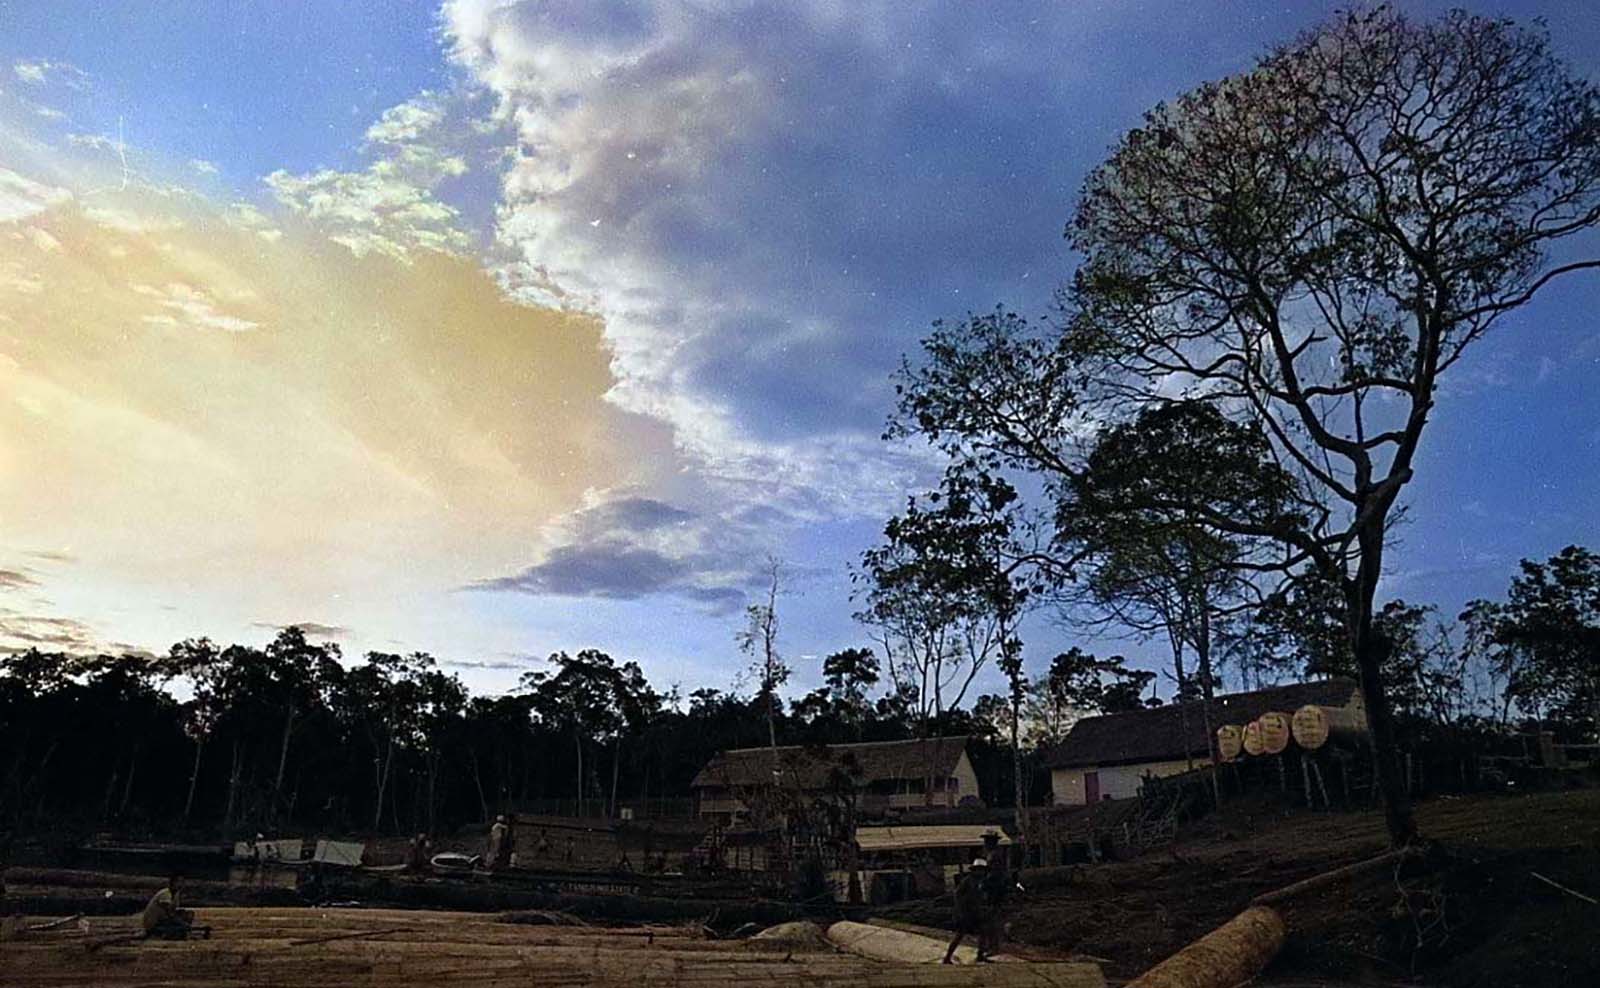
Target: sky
[500,328]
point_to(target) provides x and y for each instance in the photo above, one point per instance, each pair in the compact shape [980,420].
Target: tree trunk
[1202,650]
[194,778]
[233,789]
[1371,653]
[616,760]
[1176,637]
[433,791]
[577,740]
[283,760]
[1018,786]
[477,780]
[127,788]
[383,785]
[111,787]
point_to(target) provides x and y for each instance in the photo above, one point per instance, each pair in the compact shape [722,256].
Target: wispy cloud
[496,665]
[14,579]
[191,308]
[391,207]
[21,631]
[314,629]
[43,71]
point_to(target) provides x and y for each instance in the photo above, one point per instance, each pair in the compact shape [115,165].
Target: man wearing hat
[971,910]
[997,884]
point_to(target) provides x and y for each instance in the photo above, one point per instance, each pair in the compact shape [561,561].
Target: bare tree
[759,640]
[1308,248]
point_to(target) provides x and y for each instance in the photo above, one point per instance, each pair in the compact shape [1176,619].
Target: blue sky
[759,206]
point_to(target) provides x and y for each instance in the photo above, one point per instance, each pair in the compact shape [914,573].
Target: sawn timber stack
[257,947]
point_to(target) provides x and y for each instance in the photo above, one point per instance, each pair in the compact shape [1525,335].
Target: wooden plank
[254,948]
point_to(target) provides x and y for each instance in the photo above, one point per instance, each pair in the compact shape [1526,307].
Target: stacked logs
[1310,732]
[1310,728]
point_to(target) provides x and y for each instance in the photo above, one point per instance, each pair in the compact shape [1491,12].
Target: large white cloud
[767,203]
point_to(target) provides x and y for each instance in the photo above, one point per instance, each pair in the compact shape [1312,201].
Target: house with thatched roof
[882,775]
[1107,757]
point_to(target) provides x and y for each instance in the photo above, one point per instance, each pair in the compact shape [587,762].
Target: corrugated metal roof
[918,838]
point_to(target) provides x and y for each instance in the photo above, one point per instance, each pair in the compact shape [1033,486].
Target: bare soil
[1469,914]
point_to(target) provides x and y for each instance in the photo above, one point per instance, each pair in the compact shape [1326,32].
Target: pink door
[1091,787]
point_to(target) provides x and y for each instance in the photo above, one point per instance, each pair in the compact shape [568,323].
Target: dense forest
[206,739]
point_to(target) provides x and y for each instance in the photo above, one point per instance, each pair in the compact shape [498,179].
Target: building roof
[1178,730]
[871,761]
[871,839]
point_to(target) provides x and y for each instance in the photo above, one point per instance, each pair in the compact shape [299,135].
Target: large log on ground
[1313,725]
[884,944]
[1274,727]
[1229,955]
[901,947]
[1330,877]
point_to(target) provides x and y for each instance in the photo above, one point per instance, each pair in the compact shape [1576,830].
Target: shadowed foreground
[295,947]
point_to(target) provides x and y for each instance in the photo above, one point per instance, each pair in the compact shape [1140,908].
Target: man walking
[997,885]
[971,910]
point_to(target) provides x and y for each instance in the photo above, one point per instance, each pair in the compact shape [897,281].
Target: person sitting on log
[971,911]
[163,920]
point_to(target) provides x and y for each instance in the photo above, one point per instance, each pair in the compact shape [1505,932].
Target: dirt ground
[1471,914]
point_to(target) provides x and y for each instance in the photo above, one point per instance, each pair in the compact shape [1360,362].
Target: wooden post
[1305,776]
[1316,773]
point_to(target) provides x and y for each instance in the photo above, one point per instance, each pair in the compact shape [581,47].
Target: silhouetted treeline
[209,741]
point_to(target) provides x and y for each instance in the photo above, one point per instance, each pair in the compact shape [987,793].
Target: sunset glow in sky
[508,327]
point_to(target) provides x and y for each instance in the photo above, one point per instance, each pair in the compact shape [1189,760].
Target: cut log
[1315,726]
[1230,955]
[1230,741]
[1252,738]
[1274,727]
[798,935]
[899,946]
[1330,877]
[882,943]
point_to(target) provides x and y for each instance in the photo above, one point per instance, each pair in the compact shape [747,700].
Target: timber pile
[332,948]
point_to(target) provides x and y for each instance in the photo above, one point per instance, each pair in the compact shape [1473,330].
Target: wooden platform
[290,947]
